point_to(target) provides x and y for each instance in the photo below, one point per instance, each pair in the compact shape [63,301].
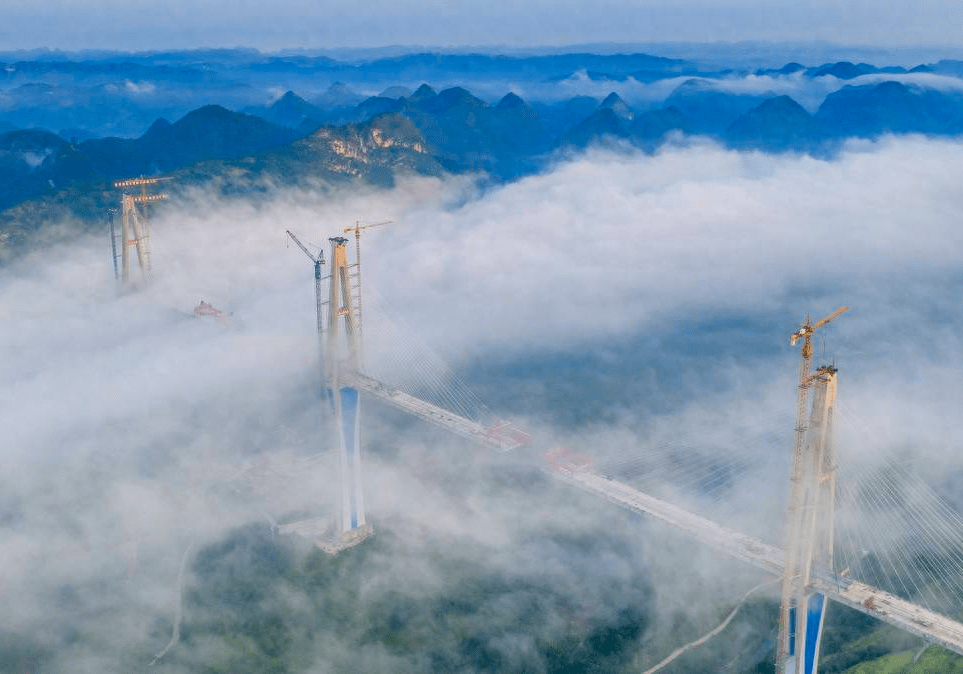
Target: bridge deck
[915,619]
[870,600]
[887,607]
[767,557]
[498,437]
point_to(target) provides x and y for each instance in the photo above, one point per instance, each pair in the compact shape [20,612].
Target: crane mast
[318,261]
[113,241]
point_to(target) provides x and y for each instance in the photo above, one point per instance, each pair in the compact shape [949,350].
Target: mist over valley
[609,250]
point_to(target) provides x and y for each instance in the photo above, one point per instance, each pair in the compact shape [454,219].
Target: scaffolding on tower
[339,343]
[135,226]
[357,229]
[809,526]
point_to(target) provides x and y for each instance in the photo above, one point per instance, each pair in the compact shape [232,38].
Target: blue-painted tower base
[812,631]
[347,408]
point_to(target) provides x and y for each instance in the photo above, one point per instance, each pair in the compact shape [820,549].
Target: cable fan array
[895,532]
[396,356]
[891,529]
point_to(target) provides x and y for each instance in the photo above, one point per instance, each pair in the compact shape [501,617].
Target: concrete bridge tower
[342,356]
[812,503]
[810,532]
[340,364]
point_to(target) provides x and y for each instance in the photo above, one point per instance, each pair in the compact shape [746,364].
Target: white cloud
[632,241]
[139,87]
[120,412]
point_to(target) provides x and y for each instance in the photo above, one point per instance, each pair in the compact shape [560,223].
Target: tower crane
[357,229]
[805,333]
[318,261]
[113,241]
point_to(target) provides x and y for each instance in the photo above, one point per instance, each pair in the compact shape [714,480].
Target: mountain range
[91,94]
[339,134]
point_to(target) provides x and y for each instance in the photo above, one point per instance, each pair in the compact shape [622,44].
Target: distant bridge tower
[135,228]
[812,502]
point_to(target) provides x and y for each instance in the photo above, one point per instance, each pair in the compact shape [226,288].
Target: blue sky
[122,24]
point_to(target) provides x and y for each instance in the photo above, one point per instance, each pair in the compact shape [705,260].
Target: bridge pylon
[342,363]
[135,227]
[812,507]
[809,541]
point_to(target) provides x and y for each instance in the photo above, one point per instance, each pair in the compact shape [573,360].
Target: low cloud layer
[639,241]
[125,418]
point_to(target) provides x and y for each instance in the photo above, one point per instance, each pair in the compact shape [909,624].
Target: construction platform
[321,532]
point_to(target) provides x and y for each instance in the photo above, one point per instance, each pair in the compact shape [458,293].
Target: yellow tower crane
[357,229]
[806,331]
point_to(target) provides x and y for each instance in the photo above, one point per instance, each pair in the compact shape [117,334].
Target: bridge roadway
[502,436]
[903,614]
[915,619]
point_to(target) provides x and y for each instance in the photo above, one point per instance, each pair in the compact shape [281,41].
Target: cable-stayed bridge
[870,538]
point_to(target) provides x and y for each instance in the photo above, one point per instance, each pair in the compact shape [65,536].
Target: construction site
[809,569]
